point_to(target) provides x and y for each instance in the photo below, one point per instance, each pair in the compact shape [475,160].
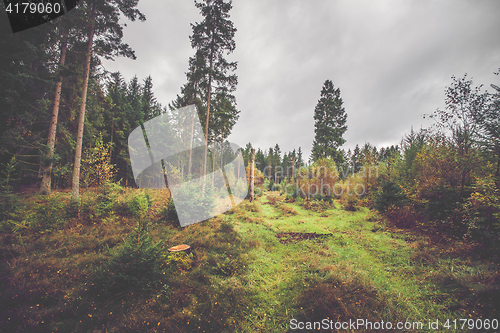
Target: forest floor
[265,266]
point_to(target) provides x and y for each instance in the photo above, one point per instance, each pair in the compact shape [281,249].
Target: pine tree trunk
[205,155]
[45,187]
[111,141]
[191,146]
[221,151]
[252,175]
[81,119]
[238,168]
[213,165]
[497,172]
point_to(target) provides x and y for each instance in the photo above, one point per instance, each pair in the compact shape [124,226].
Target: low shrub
[270,185]
[138,264]
[316,205]
[253,206]
[224,264]
[287,210]
[139,205]
[45,214]
[180,260]
[10,204]
[169,214]
[482,214]
[403,216]
[95,206]
[389,194]
[322,197]
[274,199]
[191,203]
[350,202]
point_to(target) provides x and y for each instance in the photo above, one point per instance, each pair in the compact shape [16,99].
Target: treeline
[277,167]
[42,72]
[44,92]
[445,177]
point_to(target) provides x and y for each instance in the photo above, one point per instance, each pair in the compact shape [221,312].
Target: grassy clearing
[239,278]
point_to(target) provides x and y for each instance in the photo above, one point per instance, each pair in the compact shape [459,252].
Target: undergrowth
[103,265]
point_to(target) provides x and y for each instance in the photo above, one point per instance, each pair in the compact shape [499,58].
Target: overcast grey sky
[390,59]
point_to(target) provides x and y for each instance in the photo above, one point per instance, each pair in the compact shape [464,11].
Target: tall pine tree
[329,124]
[209,70]
[104,24]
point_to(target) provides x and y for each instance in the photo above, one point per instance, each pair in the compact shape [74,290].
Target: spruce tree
[329,124]
[104,23]
[209,70]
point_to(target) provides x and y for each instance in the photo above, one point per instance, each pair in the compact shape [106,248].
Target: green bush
[438,203]
[270,185]
[389,194]
[258,191]
[291,191]
[96,206]
[403,216]
[45,215]
[286,210]
[9,202]
[482,213]
[10,207]
[322,197]
[136,265]
[224,264]
[180,260]
[169,213]
[139,205]
[350,202]
[200,204]
[266,184]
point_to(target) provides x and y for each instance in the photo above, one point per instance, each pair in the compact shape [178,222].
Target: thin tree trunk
[213,165]
[81,119]
[45,187]
[206,121]
[497,172]
[111,141]
[221,152]
[239,168]
[191,146]
[252,176]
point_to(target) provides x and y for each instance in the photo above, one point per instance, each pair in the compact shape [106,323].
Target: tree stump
[180,248]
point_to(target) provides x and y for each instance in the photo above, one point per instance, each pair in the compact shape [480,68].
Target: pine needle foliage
[329,124]
[134,266]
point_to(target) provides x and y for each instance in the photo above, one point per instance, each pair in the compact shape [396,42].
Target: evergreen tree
[300,160]
[46,164]
[330,124]
[285,164]
[270,164]
[260,160]
[277,163]
[356,159]
[149,105]
[246,153]
[103,20]
[212,38]
[27,90]
[489,122]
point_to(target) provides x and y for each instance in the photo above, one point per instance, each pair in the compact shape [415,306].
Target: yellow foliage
[96,165]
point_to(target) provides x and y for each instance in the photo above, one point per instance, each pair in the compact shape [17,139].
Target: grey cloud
[390,59]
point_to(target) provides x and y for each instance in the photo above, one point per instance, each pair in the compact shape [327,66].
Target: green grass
[240,277]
